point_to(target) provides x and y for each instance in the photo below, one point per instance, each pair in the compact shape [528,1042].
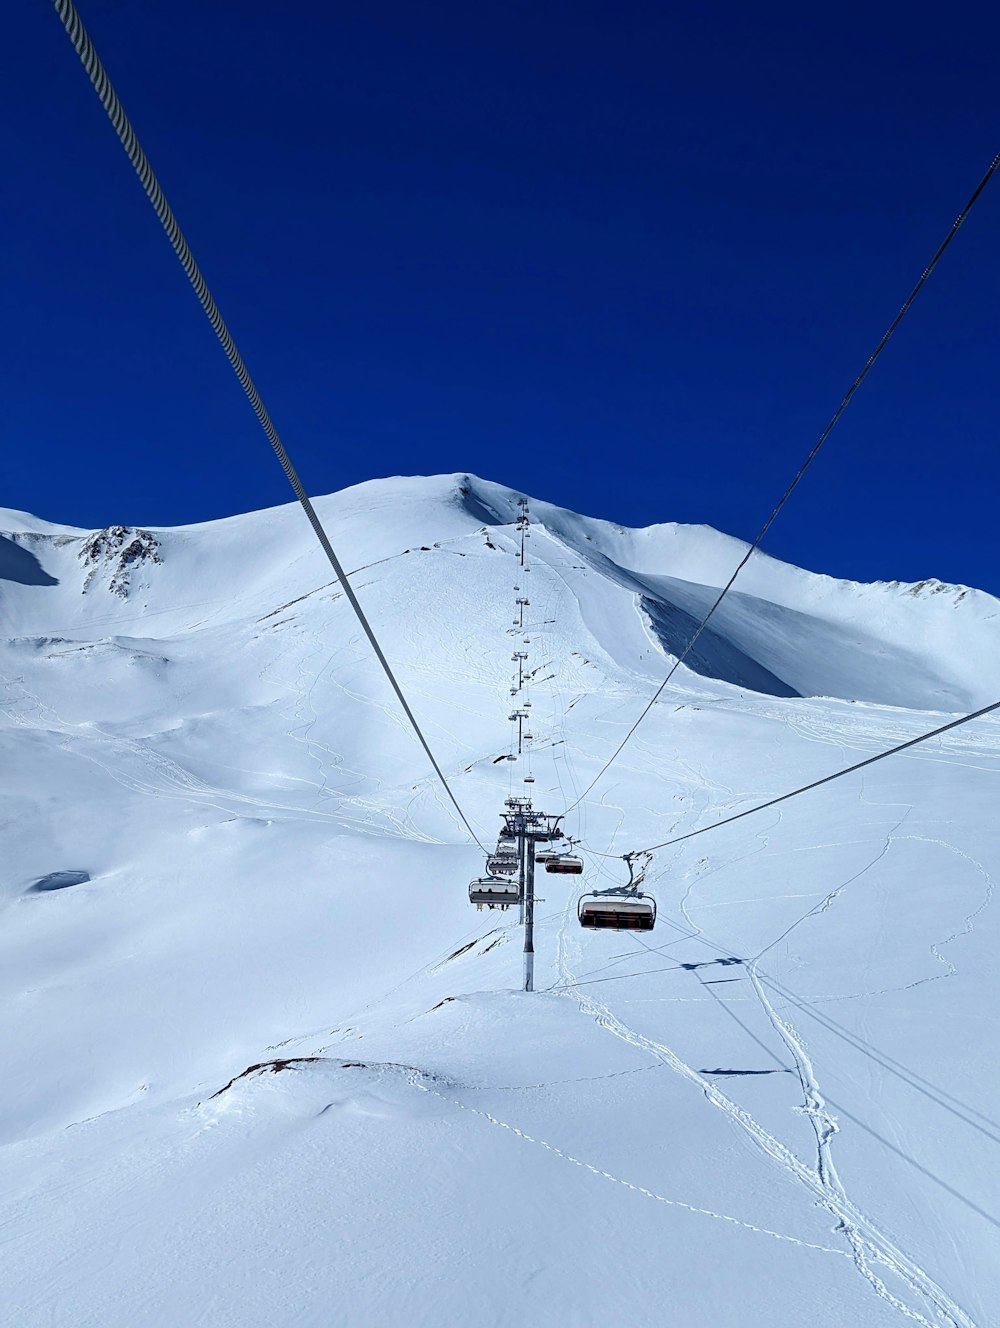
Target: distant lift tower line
[523,826]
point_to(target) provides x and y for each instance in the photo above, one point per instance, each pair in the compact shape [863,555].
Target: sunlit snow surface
[221,846]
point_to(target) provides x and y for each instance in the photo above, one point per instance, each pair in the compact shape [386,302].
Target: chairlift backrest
[617,911]
[565,864]
[493,892]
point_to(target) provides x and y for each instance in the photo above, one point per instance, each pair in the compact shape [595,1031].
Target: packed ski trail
[780,1104]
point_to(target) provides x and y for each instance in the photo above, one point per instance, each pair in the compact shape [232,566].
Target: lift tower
[523,524]
[530,827]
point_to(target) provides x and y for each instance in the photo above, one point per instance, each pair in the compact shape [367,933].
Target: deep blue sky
[625,256]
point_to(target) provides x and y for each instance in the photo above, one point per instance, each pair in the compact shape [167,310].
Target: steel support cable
[752,548]
[827,779]
[109,100]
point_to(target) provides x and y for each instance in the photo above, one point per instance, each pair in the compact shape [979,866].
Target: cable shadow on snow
[941,1097]
[912,1161]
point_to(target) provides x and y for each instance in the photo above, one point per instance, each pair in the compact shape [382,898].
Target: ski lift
[617,910]
[502,864]
[529,779]
[564,864]
[623,908]
[494,892]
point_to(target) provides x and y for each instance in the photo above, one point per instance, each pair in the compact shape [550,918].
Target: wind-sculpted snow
[264,1065]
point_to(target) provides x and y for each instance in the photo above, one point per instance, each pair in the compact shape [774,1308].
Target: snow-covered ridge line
[492,503]
[782,630]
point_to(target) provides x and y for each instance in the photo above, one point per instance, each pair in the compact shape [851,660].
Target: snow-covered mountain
[221,847]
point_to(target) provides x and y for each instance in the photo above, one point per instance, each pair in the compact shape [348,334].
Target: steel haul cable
[109,100]
[845,402]
[827,779]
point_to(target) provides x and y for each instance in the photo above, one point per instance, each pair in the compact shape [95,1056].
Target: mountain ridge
[781,630]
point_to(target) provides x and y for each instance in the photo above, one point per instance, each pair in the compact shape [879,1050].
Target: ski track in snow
[867,1243]
[617,1180]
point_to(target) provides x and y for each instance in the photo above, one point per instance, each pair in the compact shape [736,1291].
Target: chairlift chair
[505,855]
[564,864]
[493,892]
[617,910]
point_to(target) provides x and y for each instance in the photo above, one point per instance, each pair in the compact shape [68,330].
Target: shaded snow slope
[220,847]
[788,631]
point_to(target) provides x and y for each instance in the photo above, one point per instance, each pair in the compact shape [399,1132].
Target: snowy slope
[778,1108]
